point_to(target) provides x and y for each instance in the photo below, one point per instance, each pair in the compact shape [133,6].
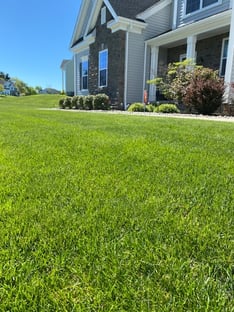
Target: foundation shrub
[205,91]
[150,107]
[75,102]
[88,102]
[61,103]
[167,108]
[101,101]
[67,102]
[199,88]
[140,107]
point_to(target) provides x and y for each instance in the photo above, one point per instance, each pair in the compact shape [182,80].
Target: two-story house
[9,87]
[118,45]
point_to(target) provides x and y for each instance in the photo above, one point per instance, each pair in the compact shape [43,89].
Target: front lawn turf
[116,213]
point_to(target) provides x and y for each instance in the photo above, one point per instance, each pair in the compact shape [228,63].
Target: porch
[206,42]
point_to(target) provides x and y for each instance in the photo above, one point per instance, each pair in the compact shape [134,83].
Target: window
[183,57]
[103,68]
[224,57]
[103,15]
[84,74]
[195,5]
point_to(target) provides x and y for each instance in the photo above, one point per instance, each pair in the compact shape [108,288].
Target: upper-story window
[224,57]
[103,15]
[103,68]
[196,5]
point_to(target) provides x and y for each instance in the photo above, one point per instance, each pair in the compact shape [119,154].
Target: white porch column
[191,48]
[63,80]
[153,72]
[229,73]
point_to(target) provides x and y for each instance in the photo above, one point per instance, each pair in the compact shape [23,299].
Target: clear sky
[34,39]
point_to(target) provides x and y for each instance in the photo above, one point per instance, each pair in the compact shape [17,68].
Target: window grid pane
[192,5]
[195,5]
[84,75]
[224,58]
[208,2]
[103,65]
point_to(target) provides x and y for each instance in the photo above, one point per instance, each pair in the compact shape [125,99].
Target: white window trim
[221,58]
[84,59]
[102,86]
[201,8]
[103,15]
[183,57]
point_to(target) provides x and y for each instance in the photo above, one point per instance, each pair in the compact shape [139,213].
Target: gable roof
[81,21]
[130,8]
[89,10]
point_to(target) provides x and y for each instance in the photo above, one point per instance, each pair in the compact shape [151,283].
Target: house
[67,67]
[118,45]
[9,87]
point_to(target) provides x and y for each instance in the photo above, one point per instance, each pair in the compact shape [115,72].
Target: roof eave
[126,24]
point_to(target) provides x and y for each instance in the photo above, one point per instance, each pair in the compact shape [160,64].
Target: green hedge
[88,102]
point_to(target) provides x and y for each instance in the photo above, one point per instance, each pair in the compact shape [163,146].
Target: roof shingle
[130,8]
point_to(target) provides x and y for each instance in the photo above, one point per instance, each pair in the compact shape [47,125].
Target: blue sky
[35,38]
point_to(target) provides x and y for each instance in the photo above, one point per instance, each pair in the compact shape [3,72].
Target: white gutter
[126,70]
[230,62]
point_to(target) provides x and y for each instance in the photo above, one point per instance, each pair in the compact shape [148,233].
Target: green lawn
[103,212]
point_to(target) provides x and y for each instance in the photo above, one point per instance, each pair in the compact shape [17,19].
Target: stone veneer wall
[173,54]
[115,43]
[208,52]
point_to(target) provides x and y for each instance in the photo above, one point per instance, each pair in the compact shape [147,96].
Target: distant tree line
[21,86]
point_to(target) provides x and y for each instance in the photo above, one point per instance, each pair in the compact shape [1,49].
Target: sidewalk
[184,116]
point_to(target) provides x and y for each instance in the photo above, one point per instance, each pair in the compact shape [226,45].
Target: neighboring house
[67,67]
[9,87]
[118,45]
[49,91]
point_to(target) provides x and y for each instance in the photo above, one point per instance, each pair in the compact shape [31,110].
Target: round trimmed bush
[88,102]
[61,103]
[140,107]
[101,101]
[75,102]
[167,108]
[67,102]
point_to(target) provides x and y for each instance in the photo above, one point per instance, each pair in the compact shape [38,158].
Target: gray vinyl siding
[196,16]
[135,68]
[78,57]
[70,77]
[158,23]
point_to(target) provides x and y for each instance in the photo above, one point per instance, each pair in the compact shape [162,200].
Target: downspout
[174,22]
[75,91]
[144,74]
[126,70]
[230,59]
